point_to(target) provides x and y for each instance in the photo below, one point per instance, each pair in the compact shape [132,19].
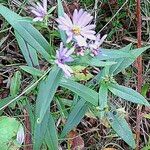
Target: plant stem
[139,74]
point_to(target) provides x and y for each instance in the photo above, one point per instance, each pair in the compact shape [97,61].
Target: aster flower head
[78,28]
[62,57]
[94,46]
[39,10]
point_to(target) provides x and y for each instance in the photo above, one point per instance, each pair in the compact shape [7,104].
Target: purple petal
[68,20]
[68,53]
[36,13]
[87,21]
[45,5]
[89,34]
[75,16]
[63,27]
[88,27]
[80,40]
[38,19]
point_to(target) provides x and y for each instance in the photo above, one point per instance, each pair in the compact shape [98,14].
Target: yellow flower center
[76,30]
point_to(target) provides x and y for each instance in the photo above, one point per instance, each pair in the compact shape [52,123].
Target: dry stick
[27,143]
[139,74]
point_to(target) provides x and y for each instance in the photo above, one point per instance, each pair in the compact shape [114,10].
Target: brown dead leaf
[76,142]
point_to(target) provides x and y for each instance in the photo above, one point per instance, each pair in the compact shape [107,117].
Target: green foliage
[92,97]
[75,116]
[121,127]
[31,35]
[28,51]
[31,70]
[128,94]
[8,133]
[86,93]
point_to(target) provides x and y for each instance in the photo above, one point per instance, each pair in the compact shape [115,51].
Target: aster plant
[58,98]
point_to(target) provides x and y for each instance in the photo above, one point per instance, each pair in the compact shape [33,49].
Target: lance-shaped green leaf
[98,63]
[31,35]
[28,52]
[47,91]
[128,94]
[86,93]
[51,137]
[15,84]
[40,129]
[121,127]
[75,116]
[107,54]
[103,93]
[33,71]
[123,63]
[61,13]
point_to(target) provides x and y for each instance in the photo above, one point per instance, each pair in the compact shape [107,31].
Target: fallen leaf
[76,142]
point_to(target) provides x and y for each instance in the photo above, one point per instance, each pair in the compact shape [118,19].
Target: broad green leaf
[51,135]
[47,89]
[31,35]
[86,93]
[28,52]
[75,116]
[128,94]
[31,70]
[61,13]
[15,84]
[121,127]
[8,131]
[103,93]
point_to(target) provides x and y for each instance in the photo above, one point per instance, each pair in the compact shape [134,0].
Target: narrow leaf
[75,116]
[40,130]
[31,35]
[51,135]
[128,94]
[86,93]
[121,127]
[47,90]
[28,52]
[103,93]
[15,84]
[31,70]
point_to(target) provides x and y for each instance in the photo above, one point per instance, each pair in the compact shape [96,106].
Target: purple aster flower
[63,56]
[40,11]
[94,46]
[78,28]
